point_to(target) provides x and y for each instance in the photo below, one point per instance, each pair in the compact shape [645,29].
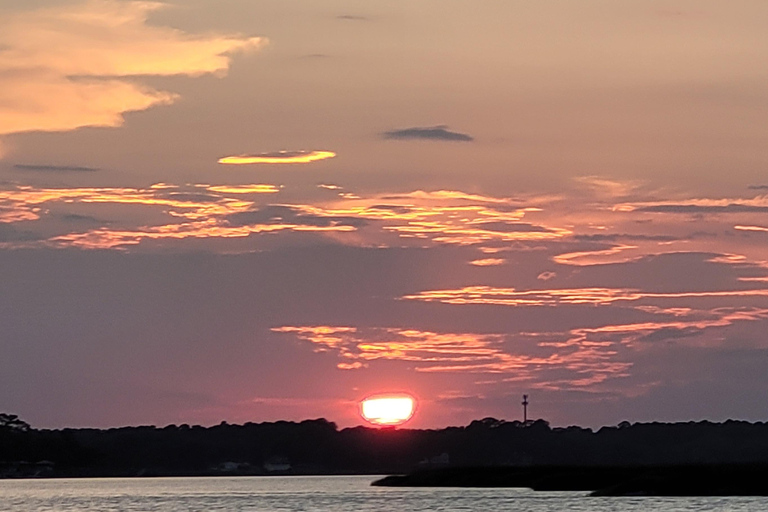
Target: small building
[277,465]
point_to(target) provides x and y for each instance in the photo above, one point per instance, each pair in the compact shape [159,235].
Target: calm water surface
[315,494]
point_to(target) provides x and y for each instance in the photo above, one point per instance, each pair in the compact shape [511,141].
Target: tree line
[318,446]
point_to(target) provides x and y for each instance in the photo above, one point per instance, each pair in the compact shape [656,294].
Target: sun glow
[388,410]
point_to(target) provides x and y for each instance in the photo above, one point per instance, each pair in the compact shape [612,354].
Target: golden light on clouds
[26,200]
[575,357]
[513,297]
[752,228]
[496,226]
[490,295]
[67,67]
[117,239]
[733,205]
[598,257]
[278,157]
[10,214]
[441,195]
[443,216]
[431,352]
[488,262]
[245,189]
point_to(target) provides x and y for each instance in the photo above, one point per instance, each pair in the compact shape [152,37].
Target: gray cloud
[190,197]
[77,218]
[54,168]
[669,334]
[625,236]
[660,273]
[391,207]
[10,234]
[351,17]
[439,132]
[758,187]
[511,227]
[279,214]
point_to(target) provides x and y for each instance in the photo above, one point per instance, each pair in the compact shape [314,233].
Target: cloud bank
[54,168]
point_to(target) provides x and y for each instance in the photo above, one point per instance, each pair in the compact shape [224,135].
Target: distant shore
[529,454]
[688,480]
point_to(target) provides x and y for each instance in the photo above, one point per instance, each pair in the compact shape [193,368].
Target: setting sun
[388,410]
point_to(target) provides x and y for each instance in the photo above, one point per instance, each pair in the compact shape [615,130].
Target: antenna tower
[525,409]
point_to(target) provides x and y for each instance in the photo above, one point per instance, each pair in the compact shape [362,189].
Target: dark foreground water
[315,494]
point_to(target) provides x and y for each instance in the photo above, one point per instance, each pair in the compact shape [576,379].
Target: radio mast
[525,409]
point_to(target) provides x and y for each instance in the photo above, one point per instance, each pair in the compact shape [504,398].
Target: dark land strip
[694,458]
[689,480]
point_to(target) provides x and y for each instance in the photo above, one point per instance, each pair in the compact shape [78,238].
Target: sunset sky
[253,210]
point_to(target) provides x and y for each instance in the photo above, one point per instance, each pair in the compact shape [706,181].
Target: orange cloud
[25,200]
[199,212]
[279,157]
[11,214]
[409,345]
[580,358]
[596,296]
[751,228]
[108,239]
[322,336]
[100,42]
[757,204]
[245,189]
[460,232]
[488,262]
[442,195]
[445,217]
[593,233]
[433,352]
[597,257]
[630,333]
[607,188]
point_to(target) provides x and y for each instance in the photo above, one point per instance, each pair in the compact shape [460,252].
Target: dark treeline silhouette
[319,447]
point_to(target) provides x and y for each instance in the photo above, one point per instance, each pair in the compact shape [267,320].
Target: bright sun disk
[388,410]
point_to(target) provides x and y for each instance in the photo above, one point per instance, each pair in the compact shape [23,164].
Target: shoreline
[677,480]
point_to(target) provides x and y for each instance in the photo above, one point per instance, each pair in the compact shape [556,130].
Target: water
[316,494]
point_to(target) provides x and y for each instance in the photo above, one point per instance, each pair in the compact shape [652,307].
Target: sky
[255,210]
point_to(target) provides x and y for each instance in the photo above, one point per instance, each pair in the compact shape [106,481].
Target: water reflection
[338,494]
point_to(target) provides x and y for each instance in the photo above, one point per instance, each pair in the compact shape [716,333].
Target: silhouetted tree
[13,423]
